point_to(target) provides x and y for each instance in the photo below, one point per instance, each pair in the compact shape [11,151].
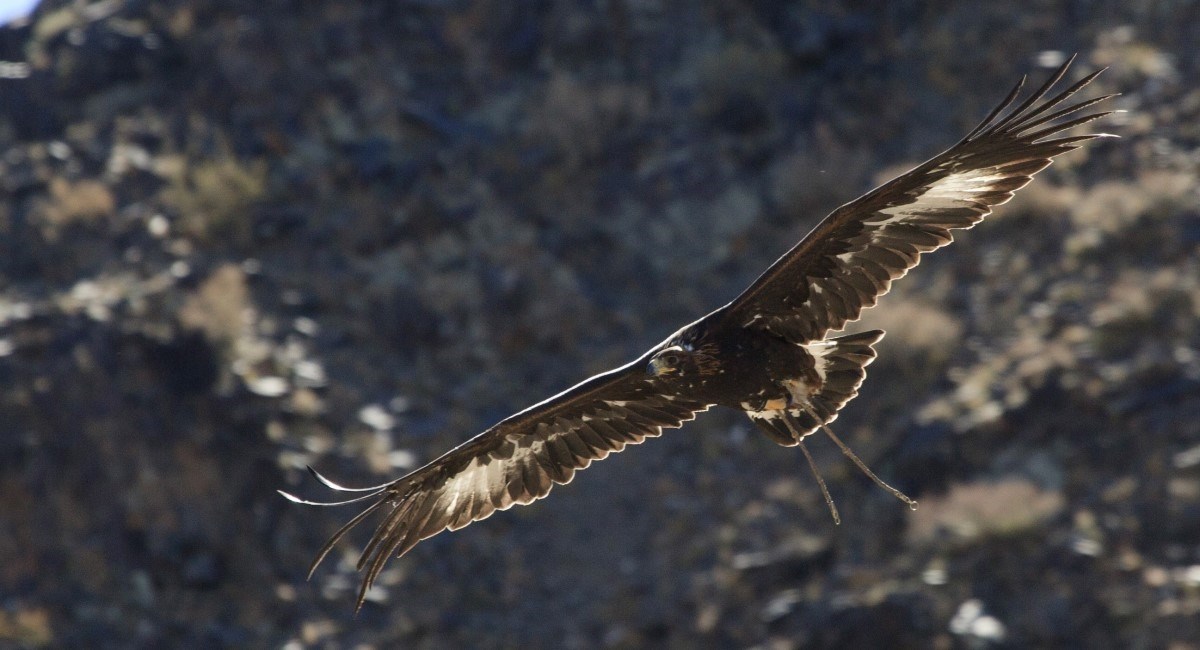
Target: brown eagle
[767,353]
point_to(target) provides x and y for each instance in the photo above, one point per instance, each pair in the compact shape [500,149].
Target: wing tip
[341,488]
[1022,117]
[294,499]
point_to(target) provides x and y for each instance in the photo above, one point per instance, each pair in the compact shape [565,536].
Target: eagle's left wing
[850,259]
[514,462]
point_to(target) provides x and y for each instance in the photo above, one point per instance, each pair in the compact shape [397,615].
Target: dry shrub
[213,197]
[26,628]
[1165,301]
[222,308]
[1109,210]
[921,337]
[971,511]
[218,306]
[68,203]
[1042,198]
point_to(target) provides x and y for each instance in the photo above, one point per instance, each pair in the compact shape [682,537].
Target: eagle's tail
[842,365]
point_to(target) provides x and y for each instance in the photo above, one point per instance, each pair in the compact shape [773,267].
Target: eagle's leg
[812,465]
[851,455]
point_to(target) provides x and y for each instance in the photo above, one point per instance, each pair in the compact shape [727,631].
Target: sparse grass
[213,198]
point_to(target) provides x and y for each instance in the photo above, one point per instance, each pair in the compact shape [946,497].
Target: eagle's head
[680,361]
[669,362]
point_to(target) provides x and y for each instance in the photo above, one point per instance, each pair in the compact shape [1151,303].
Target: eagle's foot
[812,465]
[912,504]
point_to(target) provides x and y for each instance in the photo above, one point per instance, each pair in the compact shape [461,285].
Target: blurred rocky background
[238,238]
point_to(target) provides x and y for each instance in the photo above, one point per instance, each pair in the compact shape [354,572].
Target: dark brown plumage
[766,353]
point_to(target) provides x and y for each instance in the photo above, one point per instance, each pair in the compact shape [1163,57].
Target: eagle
[768,353]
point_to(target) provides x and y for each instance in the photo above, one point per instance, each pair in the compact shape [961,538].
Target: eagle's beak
[654,368]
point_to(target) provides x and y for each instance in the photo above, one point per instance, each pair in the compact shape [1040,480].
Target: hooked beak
[655,368]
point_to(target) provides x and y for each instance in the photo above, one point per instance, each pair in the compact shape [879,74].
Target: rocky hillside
[238,238]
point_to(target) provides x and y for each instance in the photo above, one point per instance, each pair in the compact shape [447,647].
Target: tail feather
[842,365]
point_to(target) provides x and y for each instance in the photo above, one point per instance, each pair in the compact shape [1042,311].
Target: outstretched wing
[516,461]
[850,259]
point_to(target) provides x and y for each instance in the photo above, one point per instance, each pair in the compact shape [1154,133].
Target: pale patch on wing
[966,182]
[454,490]
[952,192]
[820,351]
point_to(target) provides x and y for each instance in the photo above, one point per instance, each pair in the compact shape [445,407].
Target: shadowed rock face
[239,238]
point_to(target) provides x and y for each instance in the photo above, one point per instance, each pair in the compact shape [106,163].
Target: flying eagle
[767,353]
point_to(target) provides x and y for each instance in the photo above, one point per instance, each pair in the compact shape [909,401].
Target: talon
[858,461]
